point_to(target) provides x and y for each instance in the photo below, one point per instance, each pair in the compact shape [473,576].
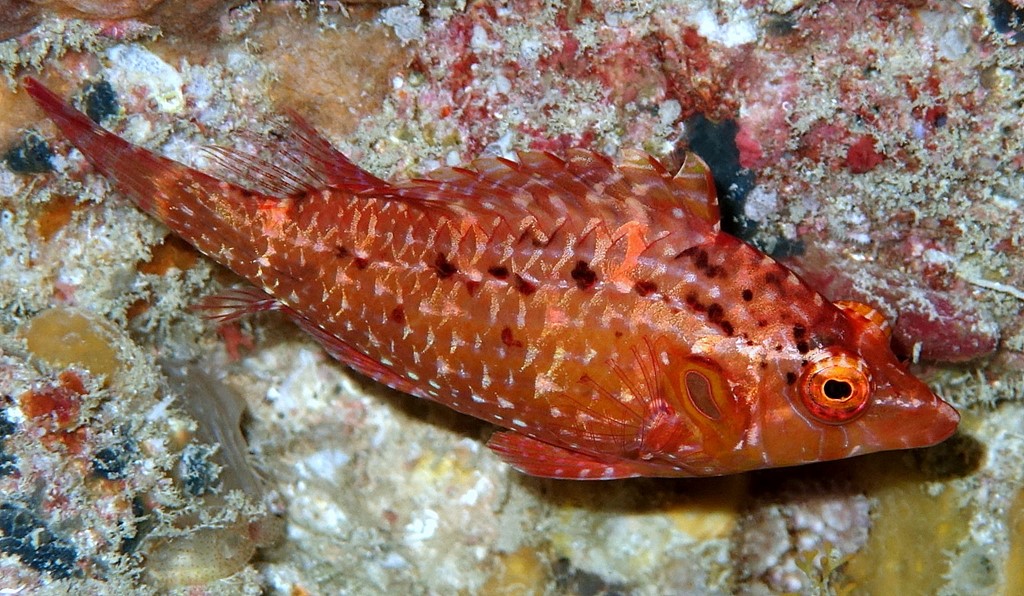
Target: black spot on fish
[802,346]
[398,314]
[694,303]
[498,272]
[584,276]
[701,260]
[748,295]
[341,252]
[790,378]
[523,286]
[645,287]
[799,332]
[444,267]
[715,312]
[142,526]
[509,340]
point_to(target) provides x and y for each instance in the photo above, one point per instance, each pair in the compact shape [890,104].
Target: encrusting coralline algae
[922,221]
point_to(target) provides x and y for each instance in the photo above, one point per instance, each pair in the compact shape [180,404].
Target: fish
[592,308]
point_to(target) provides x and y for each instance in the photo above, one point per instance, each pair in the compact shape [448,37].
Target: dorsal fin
[867,312]
[332,167]
[540,186]
[584,184]
[692,188]
[304,162]
[258,174]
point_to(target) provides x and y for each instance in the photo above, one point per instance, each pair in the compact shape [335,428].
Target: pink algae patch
[750,150]
[926,321]
[862,156]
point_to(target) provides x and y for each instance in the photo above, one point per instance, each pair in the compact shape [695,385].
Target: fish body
[593,309]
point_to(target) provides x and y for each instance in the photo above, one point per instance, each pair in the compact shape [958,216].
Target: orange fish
[593,309]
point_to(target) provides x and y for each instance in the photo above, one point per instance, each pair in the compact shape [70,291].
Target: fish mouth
[908,416]
[945,422]
[930,423]
[921,417]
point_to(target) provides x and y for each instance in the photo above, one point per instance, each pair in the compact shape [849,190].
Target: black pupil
[837,390]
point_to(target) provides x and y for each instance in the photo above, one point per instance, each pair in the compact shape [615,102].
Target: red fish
[593,309]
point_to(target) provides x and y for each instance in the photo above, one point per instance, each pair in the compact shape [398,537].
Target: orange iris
[835,387]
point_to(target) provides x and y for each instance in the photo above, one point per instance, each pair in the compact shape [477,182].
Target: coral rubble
[874,146]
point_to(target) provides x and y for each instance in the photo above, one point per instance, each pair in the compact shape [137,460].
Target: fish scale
[592,308]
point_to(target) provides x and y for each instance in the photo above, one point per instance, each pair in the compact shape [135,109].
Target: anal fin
[236,303]
[355,359]
[537,458]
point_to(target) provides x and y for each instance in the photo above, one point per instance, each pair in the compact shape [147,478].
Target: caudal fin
[140,173]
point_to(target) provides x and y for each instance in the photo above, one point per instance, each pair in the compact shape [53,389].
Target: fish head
[852,395]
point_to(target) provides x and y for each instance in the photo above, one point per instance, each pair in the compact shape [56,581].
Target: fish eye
[835,387]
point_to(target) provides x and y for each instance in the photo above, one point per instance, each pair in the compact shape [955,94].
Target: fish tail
[212,215]
[150,180]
